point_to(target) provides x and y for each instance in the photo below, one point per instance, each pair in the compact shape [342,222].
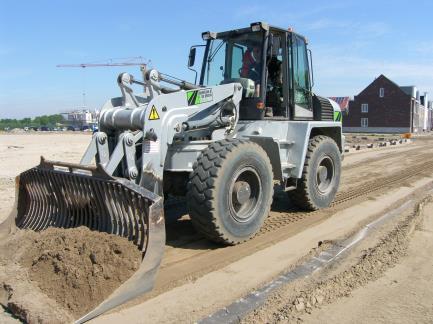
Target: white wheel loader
[249,123]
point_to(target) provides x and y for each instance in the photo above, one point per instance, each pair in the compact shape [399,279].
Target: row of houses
[385,107]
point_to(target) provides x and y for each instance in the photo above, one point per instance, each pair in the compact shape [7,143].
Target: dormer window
[381,92]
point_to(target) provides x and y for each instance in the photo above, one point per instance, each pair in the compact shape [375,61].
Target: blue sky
[352,42]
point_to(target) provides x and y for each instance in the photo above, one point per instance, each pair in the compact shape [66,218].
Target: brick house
[384,107]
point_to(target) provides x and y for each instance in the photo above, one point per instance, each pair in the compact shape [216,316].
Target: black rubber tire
[307,194]
[211,197]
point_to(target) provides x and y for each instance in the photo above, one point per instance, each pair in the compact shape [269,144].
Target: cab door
[301,103]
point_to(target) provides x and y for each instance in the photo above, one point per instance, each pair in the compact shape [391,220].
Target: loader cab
[271,64]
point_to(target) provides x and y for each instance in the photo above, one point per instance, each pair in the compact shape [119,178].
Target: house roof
[342,101]
[383,77]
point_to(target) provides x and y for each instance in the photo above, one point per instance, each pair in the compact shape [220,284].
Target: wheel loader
[250,123]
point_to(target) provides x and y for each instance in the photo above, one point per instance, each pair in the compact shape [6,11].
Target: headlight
[208,35]
[258,26]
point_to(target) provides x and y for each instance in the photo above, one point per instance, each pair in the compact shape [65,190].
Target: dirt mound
[77,268]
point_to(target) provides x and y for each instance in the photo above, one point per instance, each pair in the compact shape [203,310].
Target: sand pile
[74,268]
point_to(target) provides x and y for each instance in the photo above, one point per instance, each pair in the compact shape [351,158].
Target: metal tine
[63,211]
[69,185]
[47,202]
[141,207]
[105,221]
[24,184]
[135,207]
[44,208]
[86,210]
[113,214]
[69,188]
[105,190]
[57,193]
[37,216]
[69,193]
[127,223]
[97,205]
[66,219]
[118,210]
[100,215]
[78,196]
[52,200]
[144,222]
[79,220]
[93,207]
[118,204]
[132,210]
[31,187]
[132,216]
[125,203]
[143,218]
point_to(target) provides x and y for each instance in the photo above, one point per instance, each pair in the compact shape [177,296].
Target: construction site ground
[197,278]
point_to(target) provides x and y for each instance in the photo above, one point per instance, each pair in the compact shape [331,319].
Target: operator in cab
[251,63]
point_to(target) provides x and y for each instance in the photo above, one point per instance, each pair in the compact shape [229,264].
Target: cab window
[300,73]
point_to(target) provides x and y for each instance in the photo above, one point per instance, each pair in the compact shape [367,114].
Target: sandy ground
[385,279]
[403,295]
[372,181]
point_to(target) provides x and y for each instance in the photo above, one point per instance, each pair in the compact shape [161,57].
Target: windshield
[232,57]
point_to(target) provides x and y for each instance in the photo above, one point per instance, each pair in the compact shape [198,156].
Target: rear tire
[230,191]
[320,176]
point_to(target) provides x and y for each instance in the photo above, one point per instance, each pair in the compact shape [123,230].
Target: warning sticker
[151,146]
[153,114]
[196,97]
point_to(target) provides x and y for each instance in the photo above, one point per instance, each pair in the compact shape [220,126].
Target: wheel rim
[325,175]
[244,194]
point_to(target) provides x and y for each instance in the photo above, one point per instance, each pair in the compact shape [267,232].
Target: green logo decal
[337,116]
[196,97]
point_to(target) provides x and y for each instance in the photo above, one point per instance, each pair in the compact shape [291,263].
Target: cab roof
[264,25]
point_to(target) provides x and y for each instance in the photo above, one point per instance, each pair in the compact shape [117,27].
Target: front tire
[230,191]
[320,176]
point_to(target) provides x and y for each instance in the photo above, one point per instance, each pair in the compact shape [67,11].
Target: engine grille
[323,109]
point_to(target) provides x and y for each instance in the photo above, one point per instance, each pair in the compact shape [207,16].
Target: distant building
[80,118]
[343,102]
[426,117]
[385,107]
[430,115]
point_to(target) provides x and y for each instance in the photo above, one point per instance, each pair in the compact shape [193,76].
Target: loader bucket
[57,194]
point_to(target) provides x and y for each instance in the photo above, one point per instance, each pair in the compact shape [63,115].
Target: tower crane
[131,61]
[138,61]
